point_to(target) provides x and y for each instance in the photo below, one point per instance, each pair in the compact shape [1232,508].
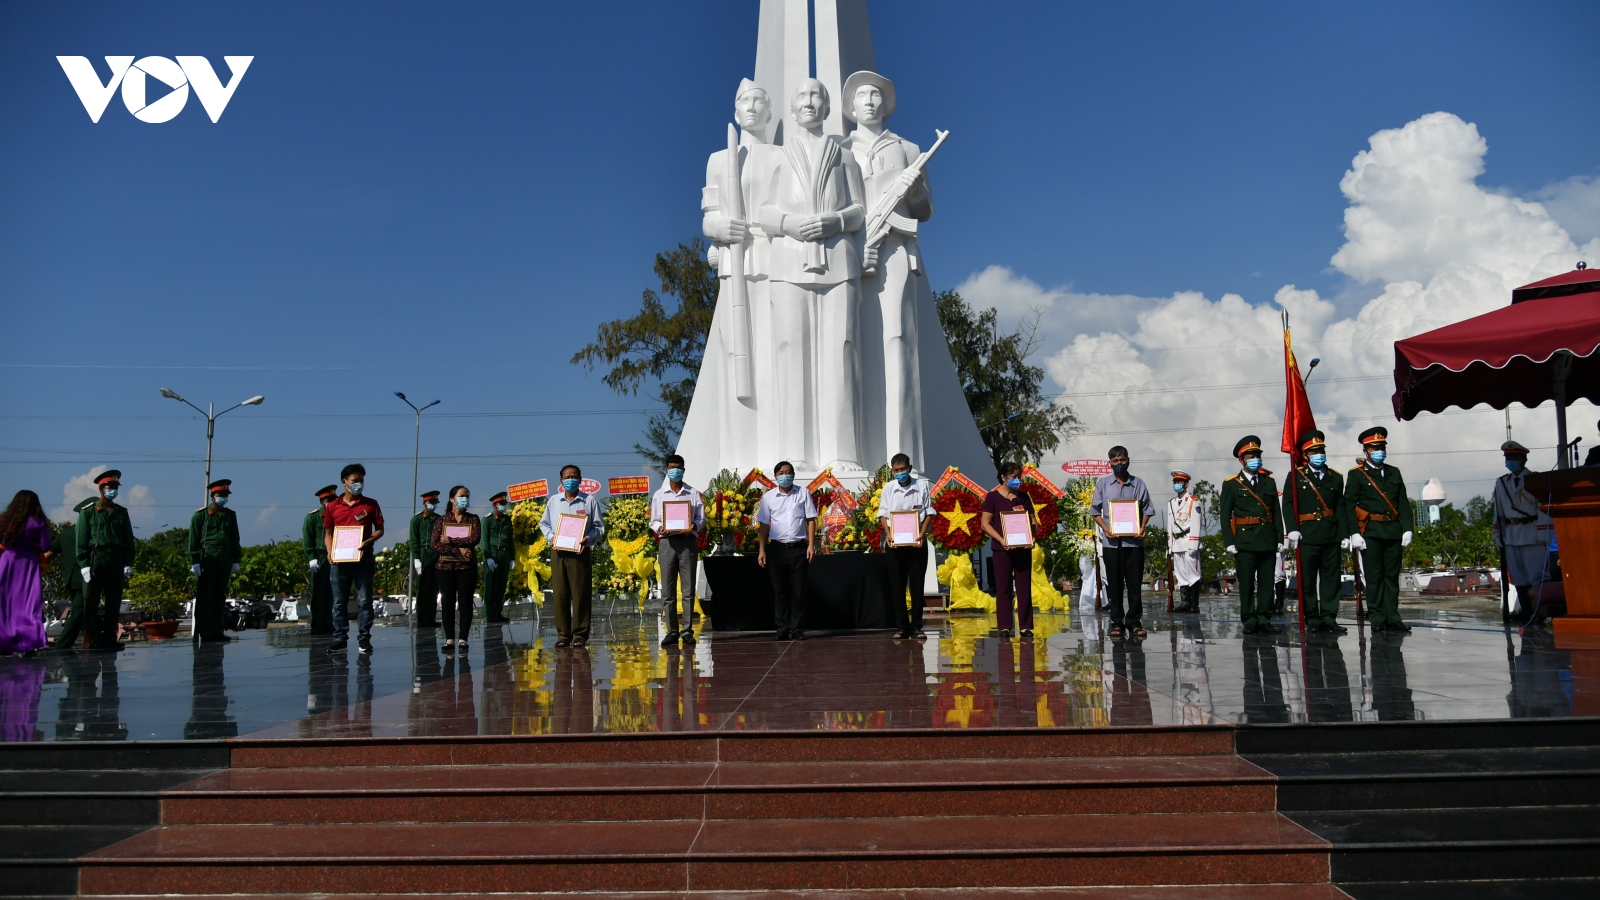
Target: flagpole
[1294,484]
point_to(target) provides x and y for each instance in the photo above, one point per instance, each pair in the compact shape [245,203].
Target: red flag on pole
[1297,418]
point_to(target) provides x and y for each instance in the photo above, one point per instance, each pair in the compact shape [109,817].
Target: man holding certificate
[352,524]
[903,515]
[786,527]
[1008,519]
[677,516]
[572,524]
[1122,508]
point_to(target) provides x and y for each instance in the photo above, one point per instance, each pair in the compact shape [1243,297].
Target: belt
[1525,520]
[1380,517]
[790,543]
[1313,516]
[1246,520]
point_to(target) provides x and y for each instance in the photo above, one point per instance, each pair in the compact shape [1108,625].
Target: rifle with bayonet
[883,218]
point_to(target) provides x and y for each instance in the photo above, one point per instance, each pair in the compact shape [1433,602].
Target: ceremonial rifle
[883,218]
[732,202]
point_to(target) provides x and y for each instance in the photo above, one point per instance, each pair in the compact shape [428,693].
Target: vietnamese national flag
[1297,418]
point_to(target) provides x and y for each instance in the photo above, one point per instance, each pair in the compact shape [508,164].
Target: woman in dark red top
[457,567]
[1013,566]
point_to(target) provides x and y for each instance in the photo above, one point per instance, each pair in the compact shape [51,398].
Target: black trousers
[428,596]
[73,625]
[1125,573]
[103,606]
[786,565]
[322,598]
[908,570]
[494,589]
[1320,581]
[455,599]
[1255,585]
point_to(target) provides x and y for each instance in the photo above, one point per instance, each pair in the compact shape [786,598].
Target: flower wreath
[957,515]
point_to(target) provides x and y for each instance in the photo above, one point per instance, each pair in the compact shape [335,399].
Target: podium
[1573,497]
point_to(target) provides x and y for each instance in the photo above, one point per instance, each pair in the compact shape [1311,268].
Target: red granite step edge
[1148,892]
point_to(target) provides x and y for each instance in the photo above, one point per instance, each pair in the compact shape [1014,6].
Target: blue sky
[445,199]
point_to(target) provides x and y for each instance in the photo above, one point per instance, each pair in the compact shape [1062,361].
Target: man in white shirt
[1185,519]
[787,530]
[679,550]
[572,571]
[908,563]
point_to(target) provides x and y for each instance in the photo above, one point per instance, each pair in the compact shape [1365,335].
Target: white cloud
[266,516]
[136,497]
[1441,247]
[1575,203]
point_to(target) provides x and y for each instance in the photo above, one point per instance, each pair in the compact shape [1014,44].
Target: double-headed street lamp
[416,450]
[211,426]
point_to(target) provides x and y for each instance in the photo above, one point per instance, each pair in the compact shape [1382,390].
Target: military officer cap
[220,486]
[1512,448]
[111,475]
[1247,443]
[84,505]
[329,491]
[1179,476]
[430,495]
[1313,438]
[498,498]
[1377,434]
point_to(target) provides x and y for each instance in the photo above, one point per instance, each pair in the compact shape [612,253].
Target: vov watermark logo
[133,78]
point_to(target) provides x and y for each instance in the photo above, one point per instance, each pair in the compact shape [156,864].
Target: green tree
[156,595]
[1017,421]
[660,344]
[276,567]
[1455,540]
[166,553]
[1211,501]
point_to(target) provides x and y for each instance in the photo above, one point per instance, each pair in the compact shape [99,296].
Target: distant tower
[1433,498]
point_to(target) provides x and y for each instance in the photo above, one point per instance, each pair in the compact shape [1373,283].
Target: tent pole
[1563,366]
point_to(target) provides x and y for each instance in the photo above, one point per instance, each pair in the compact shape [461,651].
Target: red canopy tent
[1541,347]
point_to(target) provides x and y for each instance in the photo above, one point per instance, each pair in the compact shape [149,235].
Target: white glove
[127,571]
[87,573]
[1232,550]
[233,569]
[195,570]
[1405,539]
[511,565]
[314,565]
[417,564]
[1357,542]
[490,563]
[1292,540]
[1344,544]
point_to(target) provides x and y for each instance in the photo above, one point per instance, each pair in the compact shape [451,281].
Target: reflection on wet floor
[512,680]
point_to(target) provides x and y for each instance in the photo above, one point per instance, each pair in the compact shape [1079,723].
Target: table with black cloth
[843,590]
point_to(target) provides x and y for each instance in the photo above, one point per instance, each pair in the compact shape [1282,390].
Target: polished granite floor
[1190,670]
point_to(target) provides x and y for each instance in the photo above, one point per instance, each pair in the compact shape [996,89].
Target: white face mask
[461,501]
[220,500]
[353,488]
[430,506]
[499,507]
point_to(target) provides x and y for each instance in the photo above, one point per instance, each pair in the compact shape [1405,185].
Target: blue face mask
[786,481]
[220,500]
[430,506]
[675,475]
[1378,456]
[1318,459]
[111,493]
[1253,463]
[1014,483]
[903,477]
[1177,487]
[570,485]
[1514,466]
[499,507]
[461,501]
[353,488]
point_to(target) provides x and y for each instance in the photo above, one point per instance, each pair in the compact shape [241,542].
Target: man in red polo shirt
[353,509]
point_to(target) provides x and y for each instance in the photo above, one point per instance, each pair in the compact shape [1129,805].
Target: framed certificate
[1017,526]
[570,530]
[1122,518]
[905,529]
[347,543]
[677,516]
[454,532]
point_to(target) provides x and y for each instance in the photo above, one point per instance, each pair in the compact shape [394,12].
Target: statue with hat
[105,560]
[314,545]
[1520,528]
[214,557]
[1252,528]
[423,559]
[1379,520]
[1186,516]
[498,551]
[1312,500]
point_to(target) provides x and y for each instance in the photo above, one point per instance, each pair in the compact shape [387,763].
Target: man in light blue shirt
[572,571]
[787,518]
[908,563]
[678,553]
[1124,554]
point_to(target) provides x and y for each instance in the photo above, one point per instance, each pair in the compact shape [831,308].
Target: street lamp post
[416,451]
[211,427]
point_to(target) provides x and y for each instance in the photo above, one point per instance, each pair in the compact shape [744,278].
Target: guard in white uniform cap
[1185,518]
[1521,530]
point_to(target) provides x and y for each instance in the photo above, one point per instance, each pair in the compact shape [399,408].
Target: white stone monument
[825,348]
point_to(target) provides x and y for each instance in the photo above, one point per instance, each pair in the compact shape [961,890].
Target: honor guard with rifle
[105,560]
[312,542]
[1312,501]
[1252,529]
[423,559]
[1378,518]
[497,555]
[1185,519]
[214,556]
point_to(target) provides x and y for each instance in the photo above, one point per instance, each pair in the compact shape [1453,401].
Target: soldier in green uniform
[214,554]
[423,559]
[497,550]
[105,560]
[1378,518]
[1253,529]
[65,548]
[315,547]
[1318,493]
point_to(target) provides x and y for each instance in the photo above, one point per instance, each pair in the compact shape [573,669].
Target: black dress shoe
[671,640]
[686,638]
[1335,629]
[1270,629]
[1400,628]
[337,646]
[781,636]
[1026,632]
[1249,628]
[1005,632]
[798,635]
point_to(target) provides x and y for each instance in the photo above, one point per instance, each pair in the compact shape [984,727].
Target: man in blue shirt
[572,571]
[1124,554]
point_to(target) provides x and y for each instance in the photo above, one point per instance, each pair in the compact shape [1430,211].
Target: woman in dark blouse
[457,567]
[1013,567]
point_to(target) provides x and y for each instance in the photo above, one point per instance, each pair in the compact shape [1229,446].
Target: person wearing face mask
[311,542]
[908,566]
[1252,528]
[498,550]
[1521,530]
[1378,518]
[353,510]
[1124,555]
[678,553]
[105,559]
[1317,492]
[457,567]
[1013,566]
[786,530]
[572,571]
[214,556]
[1186,517]
[424,561]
